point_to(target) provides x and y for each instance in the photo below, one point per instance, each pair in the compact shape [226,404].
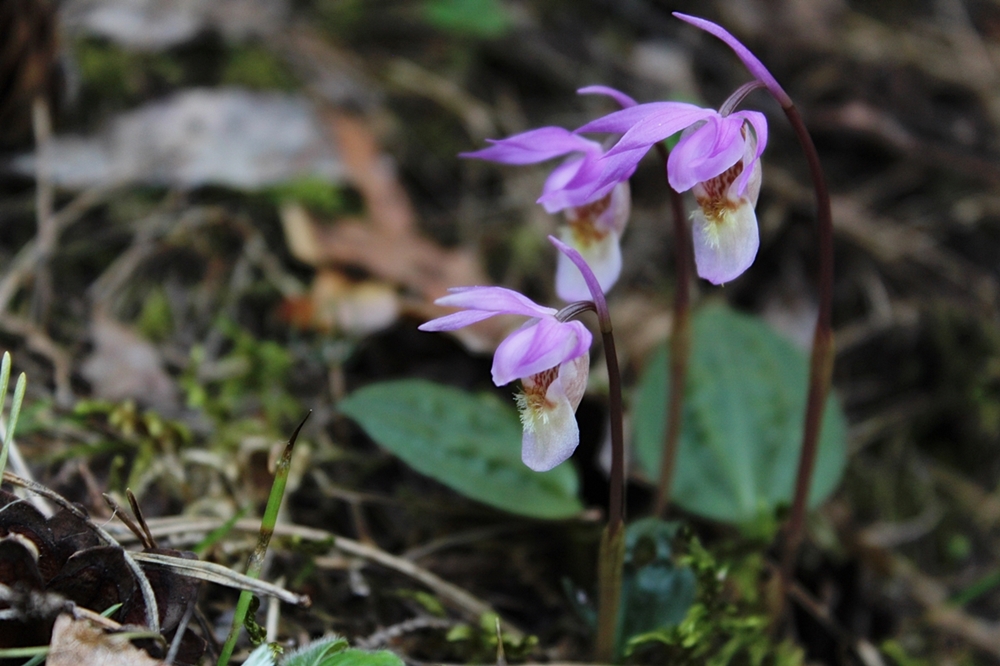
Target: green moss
[253,66]
[727,625]
[316,194]
[156,319]
[484,19]
[251,382]
[114,77]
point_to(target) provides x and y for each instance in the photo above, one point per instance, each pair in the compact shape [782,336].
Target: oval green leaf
[742,428]
[470,443]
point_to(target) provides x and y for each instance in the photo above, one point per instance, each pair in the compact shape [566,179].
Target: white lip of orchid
[725,232]
[718,207]
[594,230]
[592,222]
[547,406]
[533,403]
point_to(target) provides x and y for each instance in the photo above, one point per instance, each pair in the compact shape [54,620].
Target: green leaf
[742,427]
[475,18]
[470,443]
[362,658]
[317,653]
[656,593]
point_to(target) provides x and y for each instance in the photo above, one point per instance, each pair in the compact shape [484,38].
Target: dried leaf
[125,366]
[386,243]
[338,303]
[76,642]
[374,174]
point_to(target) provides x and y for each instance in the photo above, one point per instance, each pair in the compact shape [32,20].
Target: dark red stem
[680,345]
[821,362]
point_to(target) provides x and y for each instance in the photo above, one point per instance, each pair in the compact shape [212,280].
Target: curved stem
[612,551]
[680,345]
[821,362]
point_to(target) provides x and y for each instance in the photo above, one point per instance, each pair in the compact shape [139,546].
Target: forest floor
[244,210]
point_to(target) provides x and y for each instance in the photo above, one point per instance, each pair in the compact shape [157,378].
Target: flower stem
[612,551]
[680,345]
[611,559]
[821,362]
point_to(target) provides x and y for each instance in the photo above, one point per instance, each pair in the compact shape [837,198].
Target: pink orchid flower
[717,157]
[550,358]
[594,222]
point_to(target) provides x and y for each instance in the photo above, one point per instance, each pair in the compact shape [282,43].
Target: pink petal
[596,293]
[604,257]
[455,321]
[536,145]
[622,121]
[659,124]
[755,146]
[495,300]
[705,152]
[615,217]
[558,194]
[615,169]
[750,61]
[623,100]
[539,346]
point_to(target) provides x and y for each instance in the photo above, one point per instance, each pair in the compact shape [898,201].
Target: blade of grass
[4,379]
[15,406]
[12,653]
[4,385]
[256,561]
[976,589]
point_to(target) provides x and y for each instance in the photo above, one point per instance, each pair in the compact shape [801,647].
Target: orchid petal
[538,346]
[724,248]
[591,182]
[615,169]
[622,121]
[596,293]
[750,61]
[659,124]
[752,190]
[495,300]
[755,146]
[551,433]
[623,100]
[615,217]
[555,194]
[533,146]
[456,320]
[705,152]
[604,257]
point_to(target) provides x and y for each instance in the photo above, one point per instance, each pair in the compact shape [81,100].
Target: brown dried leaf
[338,303]
[123,365]
[373,173]
[76,642]
[386,243]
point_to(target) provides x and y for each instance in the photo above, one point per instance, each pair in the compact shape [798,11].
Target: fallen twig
[470,606]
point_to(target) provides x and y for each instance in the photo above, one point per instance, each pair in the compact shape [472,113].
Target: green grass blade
[15,412]
[4,378]
[256,562]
